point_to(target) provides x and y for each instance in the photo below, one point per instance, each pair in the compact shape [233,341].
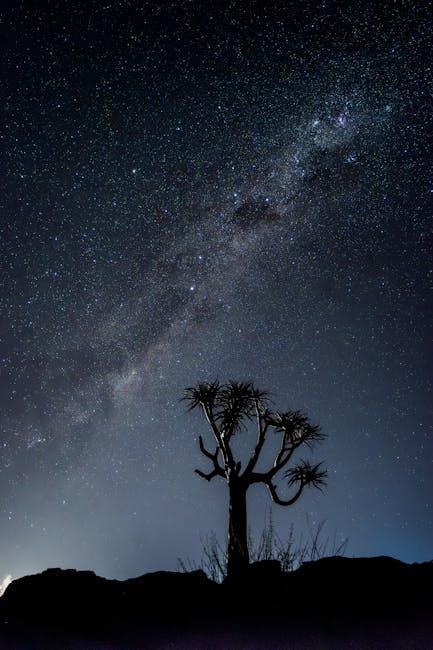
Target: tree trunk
[237,548]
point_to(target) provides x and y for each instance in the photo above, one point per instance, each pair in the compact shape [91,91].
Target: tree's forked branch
[209,476]
[205,451]
[282,502]
[304,474]
[262,427]
[222,443]
[285,453]
[218,470]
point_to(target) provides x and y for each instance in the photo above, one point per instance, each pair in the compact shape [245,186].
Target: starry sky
[243,191]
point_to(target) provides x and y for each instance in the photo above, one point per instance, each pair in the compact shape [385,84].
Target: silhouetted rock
[265,568]
[333,598]
[374,586]
[264,574]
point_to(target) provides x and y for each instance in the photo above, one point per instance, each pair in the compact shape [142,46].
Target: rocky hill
[334,602]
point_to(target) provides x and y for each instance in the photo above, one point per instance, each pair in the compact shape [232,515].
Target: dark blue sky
[244,192]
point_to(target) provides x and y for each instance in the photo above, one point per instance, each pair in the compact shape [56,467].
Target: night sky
[189,193]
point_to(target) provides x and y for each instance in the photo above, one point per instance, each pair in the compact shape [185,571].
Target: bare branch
[222,443]
[218,470]
[281,502]
[285,454]
[262,427]
[209,476]
[215,430]
[283,457]
[296,430]
[205,451]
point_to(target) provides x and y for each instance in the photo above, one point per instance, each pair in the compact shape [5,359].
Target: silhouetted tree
[228,408]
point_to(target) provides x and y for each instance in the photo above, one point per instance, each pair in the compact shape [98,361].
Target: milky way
[243,193]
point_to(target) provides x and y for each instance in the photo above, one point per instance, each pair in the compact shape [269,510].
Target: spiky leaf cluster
[296,427]
[203,394]
[307,474]
[231,404]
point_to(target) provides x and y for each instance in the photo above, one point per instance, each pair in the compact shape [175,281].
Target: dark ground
[332,603]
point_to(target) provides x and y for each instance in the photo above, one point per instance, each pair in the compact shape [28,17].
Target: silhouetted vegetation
[228,409]
[290,551]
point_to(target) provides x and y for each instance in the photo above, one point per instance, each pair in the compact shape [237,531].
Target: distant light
[4,584]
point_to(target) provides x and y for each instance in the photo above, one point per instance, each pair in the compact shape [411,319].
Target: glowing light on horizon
[5,583]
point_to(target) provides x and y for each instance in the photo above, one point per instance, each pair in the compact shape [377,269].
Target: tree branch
[218,470]
[225,448]
[281,502]
[261,437]
[205,451]
[284,455]
[209,476]
[296,430]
